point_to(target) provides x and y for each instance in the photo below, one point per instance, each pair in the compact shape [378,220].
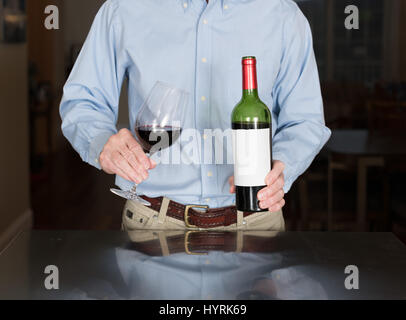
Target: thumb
[231,181]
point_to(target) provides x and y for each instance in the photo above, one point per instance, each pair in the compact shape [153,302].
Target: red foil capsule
[249,73]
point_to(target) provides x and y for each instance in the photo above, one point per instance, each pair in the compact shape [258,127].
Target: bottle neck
[249,80]
[251,93]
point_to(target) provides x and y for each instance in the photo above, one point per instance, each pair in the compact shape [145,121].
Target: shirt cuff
[288,172]
[96,147]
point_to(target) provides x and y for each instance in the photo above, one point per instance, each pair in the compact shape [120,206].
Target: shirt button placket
[203,95]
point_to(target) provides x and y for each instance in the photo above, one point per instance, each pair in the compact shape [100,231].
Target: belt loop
[163,210]
[240,241]
[163,243]
[240,219]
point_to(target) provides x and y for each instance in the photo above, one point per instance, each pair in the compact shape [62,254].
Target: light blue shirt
[198,48]
[217,275]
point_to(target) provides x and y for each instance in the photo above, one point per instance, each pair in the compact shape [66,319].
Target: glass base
[130,195]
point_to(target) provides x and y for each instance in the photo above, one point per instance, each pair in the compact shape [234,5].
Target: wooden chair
[389,117]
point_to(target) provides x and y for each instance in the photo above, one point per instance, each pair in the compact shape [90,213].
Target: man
[196,46]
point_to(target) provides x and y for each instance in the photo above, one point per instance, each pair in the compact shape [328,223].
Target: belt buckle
[187,250]
[186,215]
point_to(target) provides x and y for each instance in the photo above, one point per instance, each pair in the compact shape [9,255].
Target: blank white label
[252,157]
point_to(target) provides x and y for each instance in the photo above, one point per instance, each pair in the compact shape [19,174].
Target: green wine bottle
[252,141]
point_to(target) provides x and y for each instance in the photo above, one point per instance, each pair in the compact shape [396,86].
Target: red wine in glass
[149,136]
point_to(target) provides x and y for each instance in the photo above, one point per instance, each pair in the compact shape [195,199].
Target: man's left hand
[272,196]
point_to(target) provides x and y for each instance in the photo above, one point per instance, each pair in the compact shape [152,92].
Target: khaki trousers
[139,217]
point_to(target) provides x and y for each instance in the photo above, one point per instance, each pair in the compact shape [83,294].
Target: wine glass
[158,125]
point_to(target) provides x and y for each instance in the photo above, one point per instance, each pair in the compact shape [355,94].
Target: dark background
[44,183]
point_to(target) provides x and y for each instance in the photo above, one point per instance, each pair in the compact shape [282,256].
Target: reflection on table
[203,265]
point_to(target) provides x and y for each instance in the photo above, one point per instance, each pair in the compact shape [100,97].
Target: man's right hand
[123,155]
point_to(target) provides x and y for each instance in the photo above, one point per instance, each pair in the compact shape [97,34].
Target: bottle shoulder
[248,110]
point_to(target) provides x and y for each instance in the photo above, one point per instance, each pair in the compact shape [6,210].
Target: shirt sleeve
[301,130]
[89,106]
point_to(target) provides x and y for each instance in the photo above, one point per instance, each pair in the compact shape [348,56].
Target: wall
[50,51]
[45,47]
[15,211]
[402,41]
[46,52]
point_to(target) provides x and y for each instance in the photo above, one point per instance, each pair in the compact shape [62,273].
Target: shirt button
[203,98]
[207,262]
[205,21]
[209,174]
[185,5]
[207,199]
[225,7]
[205,136]
[97,160]
[204,60]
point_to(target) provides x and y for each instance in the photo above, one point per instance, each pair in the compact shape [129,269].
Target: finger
[122,164]
[232,186]
[143,159]
[276,171]
[133,161]
[136,149]
[118,171]
[130,150]
[271,201]
[129,156]
[124,168]
[106,164]
[231,180]
[123,175]
[140,172]
[277,206]
[268,192]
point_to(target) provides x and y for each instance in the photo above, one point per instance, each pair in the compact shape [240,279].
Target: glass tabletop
[193,265]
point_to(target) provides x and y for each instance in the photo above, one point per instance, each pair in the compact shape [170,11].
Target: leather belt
[210,218]
[201,242]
